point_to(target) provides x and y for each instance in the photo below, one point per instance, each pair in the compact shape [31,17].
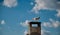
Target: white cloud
[10,3]
[52,23]
[58,14]
[39,5]
[55,23]
[46,4]
[25,32]
[47,24]
[44,32]
[25,23]
[2,22]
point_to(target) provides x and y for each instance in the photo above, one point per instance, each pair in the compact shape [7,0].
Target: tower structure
[34,28]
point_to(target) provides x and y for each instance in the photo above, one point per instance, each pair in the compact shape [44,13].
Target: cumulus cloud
[47,24]
[2,22]
[58,14]
[10,3]
[44,32]
[46,4]
[52,23]
[25,23]
[25,32]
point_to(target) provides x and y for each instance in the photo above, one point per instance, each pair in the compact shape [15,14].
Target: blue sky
[14,15]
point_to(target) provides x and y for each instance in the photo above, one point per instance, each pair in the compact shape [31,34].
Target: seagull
[36,18]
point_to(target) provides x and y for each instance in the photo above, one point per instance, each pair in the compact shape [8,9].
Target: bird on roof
[36,18]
